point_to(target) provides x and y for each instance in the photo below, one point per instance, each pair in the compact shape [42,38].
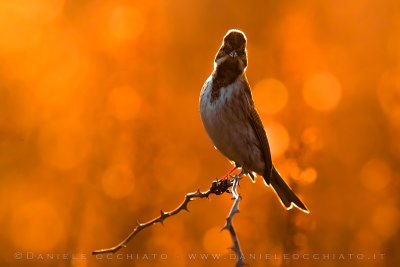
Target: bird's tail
[286,195]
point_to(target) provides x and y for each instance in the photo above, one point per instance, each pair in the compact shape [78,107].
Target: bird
[232,122]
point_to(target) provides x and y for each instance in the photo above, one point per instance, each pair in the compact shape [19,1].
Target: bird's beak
[233,54]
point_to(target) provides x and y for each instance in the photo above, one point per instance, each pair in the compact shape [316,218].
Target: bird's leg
[229,173]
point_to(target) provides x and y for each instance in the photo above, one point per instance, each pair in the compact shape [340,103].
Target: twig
[218,187]
[229,226]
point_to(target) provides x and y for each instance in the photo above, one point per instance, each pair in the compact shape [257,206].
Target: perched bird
[231,119]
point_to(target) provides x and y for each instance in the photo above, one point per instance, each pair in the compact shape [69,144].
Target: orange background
[99,127]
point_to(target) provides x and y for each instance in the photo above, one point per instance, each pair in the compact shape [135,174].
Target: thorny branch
[229,225]
[217,187]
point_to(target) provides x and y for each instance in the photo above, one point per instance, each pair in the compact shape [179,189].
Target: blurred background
[99,127]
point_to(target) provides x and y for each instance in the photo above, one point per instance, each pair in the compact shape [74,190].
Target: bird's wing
[258,128]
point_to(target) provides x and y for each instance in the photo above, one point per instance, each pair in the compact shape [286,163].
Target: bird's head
[232,53]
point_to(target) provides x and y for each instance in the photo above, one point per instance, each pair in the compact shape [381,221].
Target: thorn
[184,207]
[198,192]
[226,227]
[228,223]
[162,218]
[138,223]
[163,214]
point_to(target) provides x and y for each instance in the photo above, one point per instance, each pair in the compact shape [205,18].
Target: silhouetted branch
[218,187]
[229,226]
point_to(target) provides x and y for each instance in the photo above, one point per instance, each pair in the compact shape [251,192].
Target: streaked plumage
[231,119]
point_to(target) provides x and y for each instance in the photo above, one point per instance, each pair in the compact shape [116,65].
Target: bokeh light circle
[312,138]
[36,226]
[278,138]
[270,96]
[117,181]
[309,175]
[322,91]
[386,220]
[375,174]
[126,23]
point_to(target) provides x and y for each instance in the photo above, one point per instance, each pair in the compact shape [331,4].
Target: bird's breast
[226,123]
[217,114]
[225,96]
